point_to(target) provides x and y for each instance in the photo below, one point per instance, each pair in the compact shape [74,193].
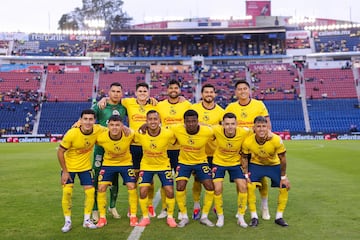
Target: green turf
[323,202]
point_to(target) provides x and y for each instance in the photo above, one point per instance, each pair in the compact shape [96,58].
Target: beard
[208,99]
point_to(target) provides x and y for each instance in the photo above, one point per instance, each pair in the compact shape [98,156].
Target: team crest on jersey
[206,118]
[141,109]
[153,145]
[243,115]
[191,141]
[115,112]
[262,152]
[229,145]
[172,111]
[117,148]
[87,143]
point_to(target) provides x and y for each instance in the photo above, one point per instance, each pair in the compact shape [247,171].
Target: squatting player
[267,158]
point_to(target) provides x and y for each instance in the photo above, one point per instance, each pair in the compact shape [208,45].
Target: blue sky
[44,14]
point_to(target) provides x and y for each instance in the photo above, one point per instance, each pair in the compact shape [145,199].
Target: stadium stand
[58,117]
[329,83]
[274,81]
[333,115]
[75,87]
[286,115]
[16,118]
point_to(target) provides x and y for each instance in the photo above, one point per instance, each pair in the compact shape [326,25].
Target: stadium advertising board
[258,8]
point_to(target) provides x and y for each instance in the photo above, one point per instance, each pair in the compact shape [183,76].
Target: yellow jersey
[264,154]
[171,114]
[116,152]
[209,117]
[79,148]
[245,114]
[155,156]
[228,150]
[192,147]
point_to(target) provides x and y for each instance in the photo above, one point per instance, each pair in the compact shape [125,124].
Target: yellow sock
[89,200]
[181,201]
[218,204]
[282,199]
[170,202]
[151,194]
[133,198]
[242,200]
[144,206]
[101,201]
[208,201]
[264,189]
[252,197]
[196,190]
[163,198]
[66,201]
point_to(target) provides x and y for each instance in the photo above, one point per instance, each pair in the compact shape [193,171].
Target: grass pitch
[323,202]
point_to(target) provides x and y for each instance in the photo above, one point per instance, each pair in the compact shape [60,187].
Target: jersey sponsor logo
[138,118]
[169,121]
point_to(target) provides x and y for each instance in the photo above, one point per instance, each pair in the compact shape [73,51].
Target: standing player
[117,160]
[137,109]
[112,107]
[192,139]
[209,114]
[155,161]
[229,139]
[172,112]
[267,158]
[246,109]
[74,155]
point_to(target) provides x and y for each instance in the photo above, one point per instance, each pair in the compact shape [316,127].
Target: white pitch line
[137,231]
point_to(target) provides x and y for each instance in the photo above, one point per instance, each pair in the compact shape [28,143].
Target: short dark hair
[115,118]
[240,82]
[208,85]
[173,81]
[88,111]
[260,119]
[142,84]
[229,115]
[116,84]
[151,112]
[191,113]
